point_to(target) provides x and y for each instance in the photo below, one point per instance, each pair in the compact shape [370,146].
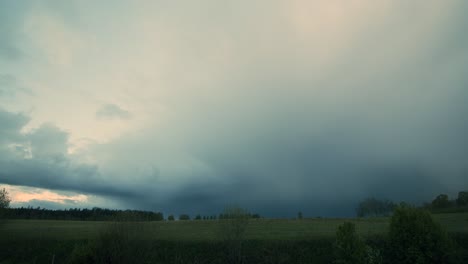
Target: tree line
[78,214]
[221,216]
[442,202]
[371,206]
[95,214]
[368,207]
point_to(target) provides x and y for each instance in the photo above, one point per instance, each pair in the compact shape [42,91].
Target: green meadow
[199,241]
[205,230]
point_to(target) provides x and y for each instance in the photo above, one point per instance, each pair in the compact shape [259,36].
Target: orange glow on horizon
[24,195]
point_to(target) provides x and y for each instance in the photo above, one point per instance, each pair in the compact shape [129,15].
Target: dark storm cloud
[298,118]
[112,111]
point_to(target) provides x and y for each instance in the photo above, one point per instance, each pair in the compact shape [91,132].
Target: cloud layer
[278,106]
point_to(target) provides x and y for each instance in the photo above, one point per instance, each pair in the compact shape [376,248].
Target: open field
[267,240]
[196,230]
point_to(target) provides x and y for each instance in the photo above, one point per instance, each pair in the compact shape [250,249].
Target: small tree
[171,218]
[4,199]
[415,237]
[198,217]
[299,215]
[441,201]
[349,248]
[462,199]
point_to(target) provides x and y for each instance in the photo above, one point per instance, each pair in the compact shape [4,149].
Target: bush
[349,248]
[415,237]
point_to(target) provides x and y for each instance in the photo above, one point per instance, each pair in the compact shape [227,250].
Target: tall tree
[441,201]
[4,199]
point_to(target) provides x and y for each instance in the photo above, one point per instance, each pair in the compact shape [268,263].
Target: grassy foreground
[266,241]
[206,230]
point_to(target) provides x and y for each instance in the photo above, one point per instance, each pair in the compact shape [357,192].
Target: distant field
[269,229]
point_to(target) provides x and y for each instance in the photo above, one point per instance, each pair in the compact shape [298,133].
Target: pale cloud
[24,195]
[53,40]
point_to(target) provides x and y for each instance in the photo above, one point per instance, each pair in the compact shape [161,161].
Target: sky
[275,106]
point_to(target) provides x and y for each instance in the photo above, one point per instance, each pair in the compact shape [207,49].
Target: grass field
[261,229]
[267,240]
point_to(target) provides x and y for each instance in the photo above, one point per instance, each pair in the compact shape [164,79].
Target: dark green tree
[349,248]
[462,199]
[414,237]
[171,218]
[441,201]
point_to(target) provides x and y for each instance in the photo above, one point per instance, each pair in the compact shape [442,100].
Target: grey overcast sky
[277,106]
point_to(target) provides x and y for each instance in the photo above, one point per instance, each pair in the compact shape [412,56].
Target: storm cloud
[278,106]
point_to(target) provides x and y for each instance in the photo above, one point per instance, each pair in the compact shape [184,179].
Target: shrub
[349,248]
[415,237]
